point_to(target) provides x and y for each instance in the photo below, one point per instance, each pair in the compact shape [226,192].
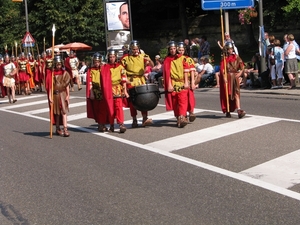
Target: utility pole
[262,42]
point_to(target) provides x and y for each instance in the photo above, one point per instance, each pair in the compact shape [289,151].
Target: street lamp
[26,13]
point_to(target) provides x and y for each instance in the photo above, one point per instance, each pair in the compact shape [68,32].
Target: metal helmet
[57,59]
[29,54]
[229,45]
[6,56]
[97,56]
[112,52]
[72,52]
[134,43]
[180,45]
[49,51]
[172,44]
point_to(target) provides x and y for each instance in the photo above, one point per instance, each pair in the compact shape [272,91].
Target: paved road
[214,171]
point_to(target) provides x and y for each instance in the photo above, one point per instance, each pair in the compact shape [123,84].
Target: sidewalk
[282,91]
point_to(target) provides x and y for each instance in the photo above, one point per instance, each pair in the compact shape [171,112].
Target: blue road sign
[226,4]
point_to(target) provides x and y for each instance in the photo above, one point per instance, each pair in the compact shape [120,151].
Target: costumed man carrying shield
[135,63]
[231,69]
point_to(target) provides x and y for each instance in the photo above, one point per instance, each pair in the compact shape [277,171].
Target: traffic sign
[28,39]
[226,4]
[28,45]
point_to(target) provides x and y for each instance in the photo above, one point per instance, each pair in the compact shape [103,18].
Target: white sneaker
[274,87]
[280,86]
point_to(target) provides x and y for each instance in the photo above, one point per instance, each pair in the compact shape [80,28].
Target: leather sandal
[66,133]
[181,121]
[111,129]
[192,117]
[59,132]
[134,124]
[122,128]
[228,115]
[102,128]
[147,122]
[241,113]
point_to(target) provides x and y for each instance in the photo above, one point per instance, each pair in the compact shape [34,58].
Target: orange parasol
[76,46]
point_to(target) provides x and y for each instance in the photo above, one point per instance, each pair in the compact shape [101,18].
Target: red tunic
[99,109]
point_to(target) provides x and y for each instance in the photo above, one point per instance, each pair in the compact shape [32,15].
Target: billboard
[117,16]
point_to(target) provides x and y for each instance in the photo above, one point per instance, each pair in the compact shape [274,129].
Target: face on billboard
[121,38]
[117,16]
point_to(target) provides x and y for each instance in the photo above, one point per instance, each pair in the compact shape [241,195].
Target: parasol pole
[44,44]
[224,62]
[52,74]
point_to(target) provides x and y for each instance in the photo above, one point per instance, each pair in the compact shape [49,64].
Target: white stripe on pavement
[283,171]
[43,110]
[211,133]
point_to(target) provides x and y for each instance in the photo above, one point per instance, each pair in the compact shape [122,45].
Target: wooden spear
[51,90]
[224,62]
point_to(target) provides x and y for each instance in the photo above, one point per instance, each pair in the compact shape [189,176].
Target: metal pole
[26,16]
[263,67]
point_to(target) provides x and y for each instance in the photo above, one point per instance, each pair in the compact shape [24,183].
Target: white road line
[23,98]
[77,116]
[211,133]
[43,110]
[283,171]
[237,176]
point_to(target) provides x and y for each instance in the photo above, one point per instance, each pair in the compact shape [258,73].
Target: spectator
[206,72]
[187,47]
[252,72]
[278,54]
[291,60]
[156,69]
[205,47]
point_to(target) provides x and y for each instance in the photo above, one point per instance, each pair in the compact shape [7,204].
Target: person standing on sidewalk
[234,68]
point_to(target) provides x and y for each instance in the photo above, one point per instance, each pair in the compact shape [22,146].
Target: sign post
[226,4]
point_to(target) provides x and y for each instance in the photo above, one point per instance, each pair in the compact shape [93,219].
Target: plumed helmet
[180,45]
[172,44]
[57,59]
[97,56]
[134,43]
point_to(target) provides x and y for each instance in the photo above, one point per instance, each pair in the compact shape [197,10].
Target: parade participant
[38,75]
[47,69]
[135,63]
[31,70]
[115,73]
[98,93]
[2,88]
[175,73]
[191,81]
[23,75]
[9,70]
[71,64]
[61,96]
[231,94]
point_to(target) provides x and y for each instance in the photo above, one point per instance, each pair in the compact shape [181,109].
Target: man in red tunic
[234,69]
[175,73]
[117,75]
[99,97]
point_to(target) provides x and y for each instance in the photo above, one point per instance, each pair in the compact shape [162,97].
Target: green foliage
[77,20]
[292,5]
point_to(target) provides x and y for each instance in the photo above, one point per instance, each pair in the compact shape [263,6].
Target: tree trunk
[182,17]
[250,34]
